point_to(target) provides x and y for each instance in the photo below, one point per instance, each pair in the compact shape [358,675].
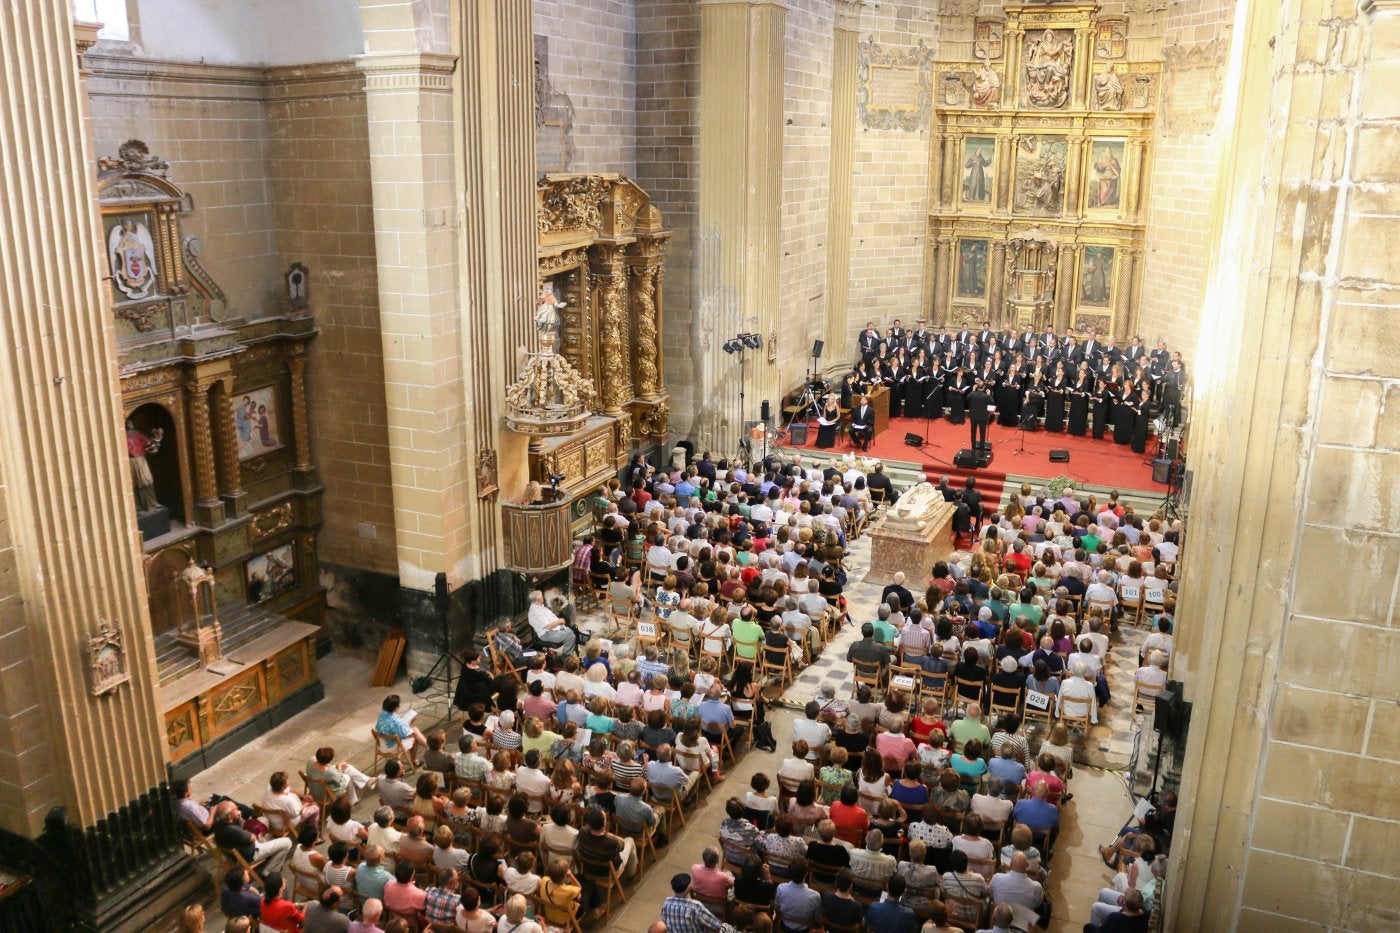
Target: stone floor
[1100,806]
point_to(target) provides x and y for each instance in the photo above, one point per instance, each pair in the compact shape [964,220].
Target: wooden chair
[305,884]
[871,674]
[903,678]
[1005,700]
[620,623]
[719,906]
[961,907]
[500,663]
[934,686]
[1103,605]
[787,789]
[650,632]
[605,876]
[274,820]
[986,867]
[641,834]
[736,655]
[777,662]
[1154,598]
[693,762]
[968,691]
[1073,721]
[1143,702]
[550,912]
[1031,713]
[1130,594]
[1076,606]
[317,789]
[549,853]
[414,918]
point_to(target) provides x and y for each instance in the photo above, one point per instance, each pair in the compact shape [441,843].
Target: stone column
[1006,159]
[1064,286]
[230,473]
[841,171]
[70,562]
[209,509]
[1083,59]
[1137,170]
[996,281]
[741,159]
[1291,557]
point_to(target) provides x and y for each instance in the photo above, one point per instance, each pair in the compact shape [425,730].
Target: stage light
[731,346]
[753,341]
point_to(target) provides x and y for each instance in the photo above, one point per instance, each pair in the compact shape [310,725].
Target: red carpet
[1100,462]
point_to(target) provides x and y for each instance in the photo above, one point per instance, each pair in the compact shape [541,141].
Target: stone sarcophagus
[911,536]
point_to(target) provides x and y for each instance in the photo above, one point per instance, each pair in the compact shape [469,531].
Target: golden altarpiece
[595,390]
[1042,154]
[228,503]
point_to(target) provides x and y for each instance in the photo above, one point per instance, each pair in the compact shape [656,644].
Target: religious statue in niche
[986,87]
[547,320]
[130,252]
[1108,89]
[138,447]
[1049,56]
[107,660]
[972,268]
[255,417]
[1096,278]
[978,154]
[1107,169]
[1040,174]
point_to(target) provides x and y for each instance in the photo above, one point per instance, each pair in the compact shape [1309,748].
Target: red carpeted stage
[1090,461]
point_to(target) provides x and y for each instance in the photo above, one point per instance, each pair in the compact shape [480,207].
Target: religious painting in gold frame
[978,171]
[1104,181]
[972,261]
[1096,274]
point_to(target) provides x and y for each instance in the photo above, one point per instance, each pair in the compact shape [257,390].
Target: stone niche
[227,497]
[1042,151]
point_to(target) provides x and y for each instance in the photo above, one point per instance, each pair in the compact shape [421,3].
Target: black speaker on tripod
[817,349]
[1161,471]
[764,411]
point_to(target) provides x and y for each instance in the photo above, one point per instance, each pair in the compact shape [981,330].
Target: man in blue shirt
[716,716]
[685,489]
[798,905]
[1036,812]
[888,915]
[683,915]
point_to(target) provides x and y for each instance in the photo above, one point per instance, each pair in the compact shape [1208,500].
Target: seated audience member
[1022,893]
[840,906]
[812,730]
[871,866]
[390,723]
[342,827]
[1151,678]
[969,887]
[277,912]
[338,871]
[382,832]
[710,881]
[970,727]
[597,845]
[402,895]
[827,855]
[441,900]
[1125,914]
[1077,696]
[201,814]
[323,915]
[394,791]
[228,834]
[1036,812]
[238,897]
[920,878]
[287,807]
[754,884]
[559,893]
[681,912]
[799,906]
[371,876]
[889,915]
[415,845]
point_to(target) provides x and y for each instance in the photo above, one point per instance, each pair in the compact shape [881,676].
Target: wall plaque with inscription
[894,87]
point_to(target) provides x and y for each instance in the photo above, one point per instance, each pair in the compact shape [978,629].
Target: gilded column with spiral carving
[1064,286]
[206,488]
[231,486]
[300,430]
[1123,297]
[996,286]
[615,384]
[646,351]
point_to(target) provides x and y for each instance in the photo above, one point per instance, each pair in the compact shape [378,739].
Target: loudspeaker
[1161,471]
[817,349]
[440,591]
[764,411]
[974,459]
[1167,711]
[798,434]
[914,440]
[1059,455]
[1173,447]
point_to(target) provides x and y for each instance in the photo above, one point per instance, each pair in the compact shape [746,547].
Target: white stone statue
[547,320]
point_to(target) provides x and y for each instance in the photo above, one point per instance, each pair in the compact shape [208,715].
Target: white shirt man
[812,731]
[1018,891]
[1151,678]
[549,628]
[1077,695]
[761,513]
[531,781]
[1101,591]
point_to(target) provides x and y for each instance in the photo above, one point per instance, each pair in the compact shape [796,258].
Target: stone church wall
[806,183]
[278,164]
[1195,45]
[587,117]
[890,195]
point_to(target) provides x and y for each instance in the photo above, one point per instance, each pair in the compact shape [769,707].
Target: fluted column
[1064,286]
[1006,159]
[841,172]
[942,280]
[996,281]
[230,475]
[741,155]
[70,563]
[1136,172]
[1083,57]
[1074,160]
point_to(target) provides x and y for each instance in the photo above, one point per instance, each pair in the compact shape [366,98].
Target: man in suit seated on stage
[862,428]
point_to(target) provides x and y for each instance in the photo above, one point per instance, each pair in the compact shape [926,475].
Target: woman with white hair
[1077,695]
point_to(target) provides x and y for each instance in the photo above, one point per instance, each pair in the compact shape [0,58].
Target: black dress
[1140,425]
[1079,407]
[1103,409]
[826,433]
[936,393]
[916,392]
[1123,416]
[1009,400]
[957,397]
[1055,406]
[899,379]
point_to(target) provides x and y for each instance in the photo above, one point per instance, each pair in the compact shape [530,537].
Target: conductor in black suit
[979,412]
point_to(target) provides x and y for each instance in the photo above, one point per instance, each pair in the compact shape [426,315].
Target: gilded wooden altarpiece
[217,433]
[1041,156]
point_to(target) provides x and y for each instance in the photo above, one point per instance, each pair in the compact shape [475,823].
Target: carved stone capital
[848,14]
[400,71]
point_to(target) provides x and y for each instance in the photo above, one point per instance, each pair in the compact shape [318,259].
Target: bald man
[1016,889]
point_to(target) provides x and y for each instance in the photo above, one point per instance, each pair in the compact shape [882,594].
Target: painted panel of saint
[1105,173]
[972,268]
[1096,276]
[257,418]
[270,575]
[979,152]
[1040,175]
